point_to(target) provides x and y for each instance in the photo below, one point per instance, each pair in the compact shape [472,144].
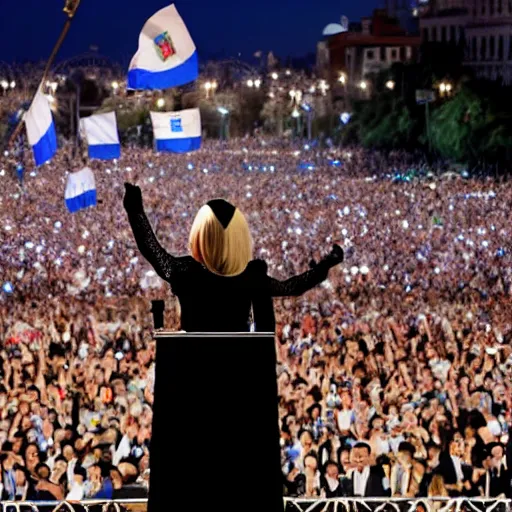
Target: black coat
[497,485]
[337,493]
[374,484]
[446,469]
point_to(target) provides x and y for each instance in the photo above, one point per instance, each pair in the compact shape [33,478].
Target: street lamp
[296,116]
[223,111]
[275,76]
[343,78]
[323,86]
[210,87]
[445,88]
[390,85]
[115,86]
[257,83]
[5,85]
[160,102]
[296,96]
[13,84]
[363,85]
[250,83]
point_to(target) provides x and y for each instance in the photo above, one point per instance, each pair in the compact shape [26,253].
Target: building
[375,45]
[483,27]
[322,60]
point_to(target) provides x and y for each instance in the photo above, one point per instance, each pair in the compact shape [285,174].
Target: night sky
[223,28]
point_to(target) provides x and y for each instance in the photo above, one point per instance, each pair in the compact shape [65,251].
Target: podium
[215,438]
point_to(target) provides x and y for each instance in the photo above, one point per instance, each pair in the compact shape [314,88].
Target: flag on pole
[177,132]
[41,129]
[167,56]
[80,190]
[102,137]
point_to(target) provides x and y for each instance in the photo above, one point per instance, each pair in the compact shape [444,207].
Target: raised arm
[163,262]
[297,285]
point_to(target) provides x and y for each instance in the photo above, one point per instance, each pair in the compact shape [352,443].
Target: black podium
[215,440]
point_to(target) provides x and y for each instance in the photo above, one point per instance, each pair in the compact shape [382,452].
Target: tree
[383,122]
[475,125]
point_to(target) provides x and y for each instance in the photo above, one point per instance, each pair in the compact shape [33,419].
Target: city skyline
[225,29]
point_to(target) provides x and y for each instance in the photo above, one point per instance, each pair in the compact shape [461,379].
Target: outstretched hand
[132,197]
[335,257]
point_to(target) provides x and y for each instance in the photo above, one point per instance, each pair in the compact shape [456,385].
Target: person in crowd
[402,480]
[495,480]
[456,475]
[331,486]
[365,480]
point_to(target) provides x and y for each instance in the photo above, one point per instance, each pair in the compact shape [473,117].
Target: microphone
[157,308]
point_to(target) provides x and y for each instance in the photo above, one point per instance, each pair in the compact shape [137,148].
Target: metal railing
[63,506]
[399,504]
[295,504]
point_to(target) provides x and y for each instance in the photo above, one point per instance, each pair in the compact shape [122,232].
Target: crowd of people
[395,375]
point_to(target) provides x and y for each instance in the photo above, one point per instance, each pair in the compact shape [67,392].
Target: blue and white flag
[177,132]
[80,190]
[167,56]
[102,138]
[41,129]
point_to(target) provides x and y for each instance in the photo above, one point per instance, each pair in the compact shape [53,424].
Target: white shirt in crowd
[382,447]
[458,468]
[360,480]
[76,493]
[400,480]
[333,483]
[123,450]
[394,442]
[345,419]
[71,470]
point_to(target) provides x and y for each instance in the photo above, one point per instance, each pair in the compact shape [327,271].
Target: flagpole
[70,8]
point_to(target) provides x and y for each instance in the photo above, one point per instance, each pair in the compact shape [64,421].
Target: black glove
[335,257]
[132,197]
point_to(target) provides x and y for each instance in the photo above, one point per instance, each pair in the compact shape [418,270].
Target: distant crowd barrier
[292,504]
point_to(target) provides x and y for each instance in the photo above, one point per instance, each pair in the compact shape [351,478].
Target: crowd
[394,375]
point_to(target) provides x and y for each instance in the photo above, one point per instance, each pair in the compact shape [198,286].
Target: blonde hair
[222,251]
[437,488]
